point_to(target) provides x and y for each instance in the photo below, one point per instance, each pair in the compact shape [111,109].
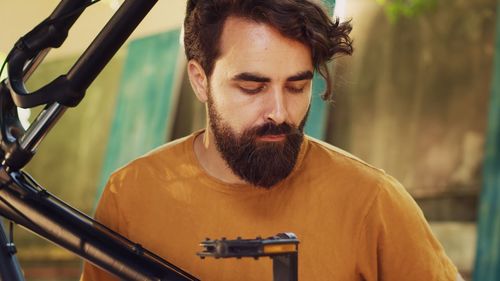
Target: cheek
[297,107]
[237,110]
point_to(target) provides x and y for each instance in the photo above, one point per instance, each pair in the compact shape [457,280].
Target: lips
[272,137]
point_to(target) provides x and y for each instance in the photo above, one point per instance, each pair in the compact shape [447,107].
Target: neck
[211,159]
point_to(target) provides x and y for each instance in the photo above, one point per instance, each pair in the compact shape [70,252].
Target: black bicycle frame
[22,200]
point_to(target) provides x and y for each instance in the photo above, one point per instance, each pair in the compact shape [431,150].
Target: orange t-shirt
[354,222]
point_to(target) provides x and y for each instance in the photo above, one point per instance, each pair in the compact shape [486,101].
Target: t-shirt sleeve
[396,242]
[107,213]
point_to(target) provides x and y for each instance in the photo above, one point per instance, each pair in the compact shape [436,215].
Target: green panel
[487,267]
[146,101]
[317,120]
[330,4]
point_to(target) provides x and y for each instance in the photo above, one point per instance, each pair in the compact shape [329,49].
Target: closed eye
[297,87]
[252,91]
[251,88]
[295,90]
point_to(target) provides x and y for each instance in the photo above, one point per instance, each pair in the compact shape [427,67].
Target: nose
[277,112]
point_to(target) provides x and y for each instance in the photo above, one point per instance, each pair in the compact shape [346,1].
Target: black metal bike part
[285,267]
[69,89]
[17,145]
[30,49]
[28,204]
[9,265]
[66,90]
[11,131]
[281,248]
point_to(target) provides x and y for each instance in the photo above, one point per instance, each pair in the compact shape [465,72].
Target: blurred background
[420,98]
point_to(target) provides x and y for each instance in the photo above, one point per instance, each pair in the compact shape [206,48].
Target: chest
[174,228]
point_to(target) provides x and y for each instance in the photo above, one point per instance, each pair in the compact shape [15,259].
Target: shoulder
[318,148]
[317,145]
[345,178]
[156,164]
[339,163]
[174,148]
[356,178]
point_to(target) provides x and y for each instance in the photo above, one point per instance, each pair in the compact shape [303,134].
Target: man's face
[258,99]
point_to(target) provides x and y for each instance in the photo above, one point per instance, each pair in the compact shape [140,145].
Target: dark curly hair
[301,20]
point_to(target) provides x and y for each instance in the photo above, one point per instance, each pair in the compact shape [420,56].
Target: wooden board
[317,121]
[147,100]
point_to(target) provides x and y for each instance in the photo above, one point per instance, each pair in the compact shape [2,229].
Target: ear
[198,80]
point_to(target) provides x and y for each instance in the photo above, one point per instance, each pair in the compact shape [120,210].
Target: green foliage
[395,9]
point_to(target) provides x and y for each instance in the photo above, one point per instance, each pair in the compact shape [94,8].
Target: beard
[260,163]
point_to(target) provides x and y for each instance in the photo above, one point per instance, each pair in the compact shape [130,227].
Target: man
[252,172]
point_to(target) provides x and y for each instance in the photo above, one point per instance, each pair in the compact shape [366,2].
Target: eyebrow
[304,75]
[247,76]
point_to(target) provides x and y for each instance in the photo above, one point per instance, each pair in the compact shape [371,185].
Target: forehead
[249,46]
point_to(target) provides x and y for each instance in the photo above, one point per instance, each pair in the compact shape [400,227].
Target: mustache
[273,129]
